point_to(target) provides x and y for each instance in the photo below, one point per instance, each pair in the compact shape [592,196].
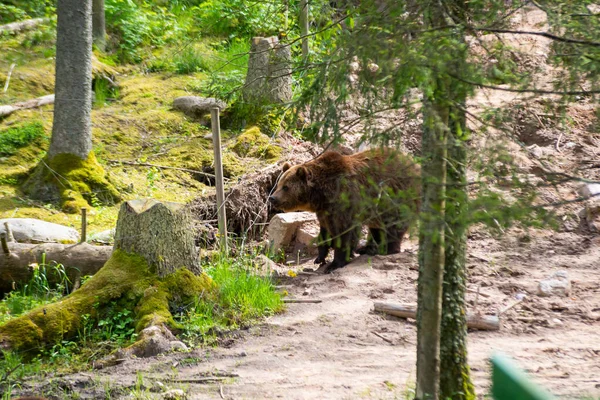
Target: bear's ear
[286,166]
[304,174]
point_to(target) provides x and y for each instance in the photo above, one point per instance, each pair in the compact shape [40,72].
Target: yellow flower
[291,274]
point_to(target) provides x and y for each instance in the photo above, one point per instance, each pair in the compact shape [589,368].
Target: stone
[105,237]
[282,228]
[265,266]
[306,237]
[589,190]
[591,215]
[195,106]
[30,230]
[557,285]
[174,394]
[177,345]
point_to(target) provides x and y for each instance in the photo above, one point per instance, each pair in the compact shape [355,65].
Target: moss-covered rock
[71,181]
[253,143]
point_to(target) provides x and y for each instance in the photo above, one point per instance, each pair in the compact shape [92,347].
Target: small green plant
[242,297]
[190,60]
[37,291]
[116,324]
[12,139]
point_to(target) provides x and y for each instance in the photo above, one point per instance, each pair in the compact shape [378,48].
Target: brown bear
[377,188]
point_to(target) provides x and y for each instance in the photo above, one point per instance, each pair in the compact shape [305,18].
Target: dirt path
[328,350]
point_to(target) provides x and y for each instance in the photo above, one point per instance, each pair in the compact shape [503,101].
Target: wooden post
[9,235]
[83,225]
[4,243]
[304,27]
[216,130]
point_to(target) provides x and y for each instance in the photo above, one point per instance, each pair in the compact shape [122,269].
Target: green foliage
[18,10]
[37,291]
[242,297]
[14,138]
[190,60]
[239,18]
[132,25]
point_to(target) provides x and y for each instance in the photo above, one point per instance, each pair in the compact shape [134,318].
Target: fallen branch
[382,337]
[505,309]
[79,260]
[206,379]
[483,322]
[478,292]
[15,27]
[34,103]
[144,164]
[302,300]
[10,70]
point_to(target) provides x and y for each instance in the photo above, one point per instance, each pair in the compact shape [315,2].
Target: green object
[509,382]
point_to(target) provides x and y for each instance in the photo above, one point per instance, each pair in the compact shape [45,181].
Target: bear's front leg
[323,247]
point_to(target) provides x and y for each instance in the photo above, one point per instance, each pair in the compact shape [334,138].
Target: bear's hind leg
[394,237]
[374,243]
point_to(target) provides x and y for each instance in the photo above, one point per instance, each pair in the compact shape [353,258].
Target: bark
[79,260]
[303,22]
[71,129]
[98,24]
[431,250]
[455,381]
[159,232]
[269,78]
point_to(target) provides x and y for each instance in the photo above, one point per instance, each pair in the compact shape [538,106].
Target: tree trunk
[455,381]
[431,249]
[70,174]
[269,78]
[98,24]
[303,22]
[153,267]
[72,128]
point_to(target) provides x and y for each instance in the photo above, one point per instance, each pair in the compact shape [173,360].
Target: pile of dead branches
[246,202]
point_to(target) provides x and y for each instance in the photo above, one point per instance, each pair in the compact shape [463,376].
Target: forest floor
[329,350]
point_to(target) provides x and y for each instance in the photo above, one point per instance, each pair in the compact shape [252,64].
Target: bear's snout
[273,200]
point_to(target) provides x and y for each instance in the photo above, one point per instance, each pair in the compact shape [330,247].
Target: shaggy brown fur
[377,188]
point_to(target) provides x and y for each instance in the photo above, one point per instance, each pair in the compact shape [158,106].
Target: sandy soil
[329,350]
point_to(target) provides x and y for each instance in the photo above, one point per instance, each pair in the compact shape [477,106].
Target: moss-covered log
[136,277]
[78,259]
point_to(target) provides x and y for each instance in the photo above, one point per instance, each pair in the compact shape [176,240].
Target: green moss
[74,182]
[253,143]
[179,288]
[122,273]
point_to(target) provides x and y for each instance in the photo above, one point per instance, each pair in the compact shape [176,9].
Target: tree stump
[153,268]
[162,233]
[269,78]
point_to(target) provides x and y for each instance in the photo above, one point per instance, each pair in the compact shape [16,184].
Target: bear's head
[293,189]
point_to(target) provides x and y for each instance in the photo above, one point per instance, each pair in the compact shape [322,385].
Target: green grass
[37,291]
[242,298]
[12,139]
